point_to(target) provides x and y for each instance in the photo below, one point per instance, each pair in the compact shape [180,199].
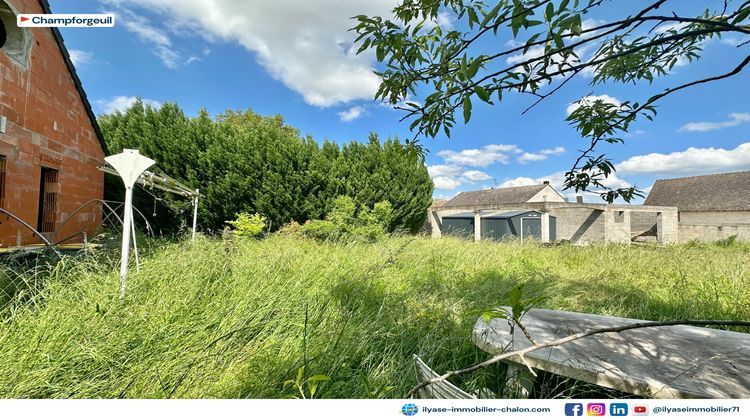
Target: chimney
[579,199]
[546,182]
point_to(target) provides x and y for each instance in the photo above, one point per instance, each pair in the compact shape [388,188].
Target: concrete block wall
[642,222]
[617,226]
[716,218]
[580,225]
[712,233]
[47,125]
[667,227]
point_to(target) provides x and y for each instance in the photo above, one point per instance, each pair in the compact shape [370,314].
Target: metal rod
[45,240]
[135,249]
[195,211]
[128,220]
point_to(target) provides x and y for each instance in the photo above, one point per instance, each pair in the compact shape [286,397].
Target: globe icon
[409,409]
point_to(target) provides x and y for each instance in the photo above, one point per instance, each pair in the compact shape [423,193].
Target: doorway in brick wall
[48,192]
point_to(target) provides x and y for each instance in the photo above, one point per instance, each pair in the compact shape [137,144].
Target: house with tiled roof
[710,207]
[705,199]
[50,143]
[510,195]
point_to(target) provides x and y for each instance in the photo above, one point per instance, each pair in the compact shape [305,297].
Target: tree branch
[500,357]
[653,99]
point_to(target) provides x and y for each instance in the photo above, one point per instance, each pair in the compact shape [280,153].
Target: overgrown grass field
[238,319]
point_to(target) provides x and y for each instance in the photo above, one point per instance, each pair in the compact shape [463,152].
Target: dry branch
[500,357]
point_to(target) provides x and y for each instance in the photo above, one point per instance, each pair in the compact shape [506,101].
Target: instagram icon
[596,409]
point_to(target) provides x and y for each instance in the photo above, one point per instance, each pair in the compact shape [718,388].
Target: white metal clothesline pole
[195,211]
[129,164]
[135,247]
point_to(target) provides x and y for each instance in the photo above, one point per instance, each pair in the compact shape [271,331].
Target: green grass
[238,320]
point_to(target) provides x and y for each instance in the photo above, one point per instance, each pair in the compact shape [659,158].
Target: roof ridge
[76,80]
[701,176]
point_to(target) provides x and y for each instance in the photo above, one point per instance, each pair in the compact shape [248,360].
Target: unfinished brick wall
[47,126]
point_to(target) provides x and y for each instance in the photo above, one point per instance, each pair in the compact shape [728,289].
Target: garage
[459,225]
[522,224]
[499,225]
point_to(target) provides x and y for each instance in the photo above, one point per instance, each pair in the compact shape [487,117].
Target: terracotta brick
[33,98]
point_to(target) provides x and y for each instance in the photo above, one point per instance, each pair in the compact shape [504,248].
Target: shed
[459,224]
[497,225]
[523,224]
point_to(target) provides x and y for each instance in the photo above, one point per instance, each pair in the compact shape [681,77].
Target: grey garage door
[463,228]
[531,227]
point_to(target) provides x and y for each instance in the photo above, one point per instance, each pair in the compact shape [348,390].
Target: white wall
[547,194]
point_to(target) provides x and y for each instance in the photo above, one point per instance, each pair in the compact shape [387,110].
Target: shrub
[290,229]
[727,241]
[344,222]
[320,229]
[248,226]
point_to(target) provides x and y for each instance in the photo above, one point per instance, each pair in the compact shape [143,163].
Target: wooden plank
[662,362]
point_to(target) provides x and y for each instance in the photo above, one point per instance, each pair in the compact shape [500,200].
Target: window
[2,181]
[14,41]
[48,189]
[3,34]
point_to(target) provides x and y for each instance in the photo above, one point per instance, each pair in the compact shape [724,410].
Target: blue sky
[293,57]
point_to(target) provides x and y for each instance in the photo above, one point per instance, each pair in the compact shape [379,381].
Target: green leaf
[742,14]
[467,109]
[530,42]
[549,12]
[473,68]
[472,17]
[491,15]
[482,93]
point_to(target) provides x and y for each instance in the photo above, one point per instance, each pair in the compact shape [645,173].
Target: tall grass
[235,320]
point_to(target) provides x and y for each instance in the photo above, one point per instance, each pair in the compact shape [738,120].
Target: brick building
[50,143]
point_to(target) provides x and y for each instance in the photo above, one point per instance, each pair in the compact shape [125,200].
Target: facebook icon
[573,409]
[618,409]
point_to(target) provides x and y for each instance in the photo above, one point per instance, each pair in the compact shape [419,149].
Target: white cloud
[553,151]
[543,154]
[519,182]
[590,99]
[352,113]
[666,27]
[731,41]
[160,42]
[443,20]
[556,181]
[735,118]
[450,177]
[476,176]
[445,183]
[81,58]
[692,161]
[121,103]
[444,170]
[307,45]
[531,157]
[487,155]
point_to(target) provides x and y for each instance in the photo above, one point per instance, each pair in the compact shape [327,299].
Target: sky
[295,58]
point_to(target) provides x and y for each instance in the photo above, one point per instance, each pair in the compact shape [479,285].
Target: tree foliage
[550,38]
[346,222]
[246,163]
